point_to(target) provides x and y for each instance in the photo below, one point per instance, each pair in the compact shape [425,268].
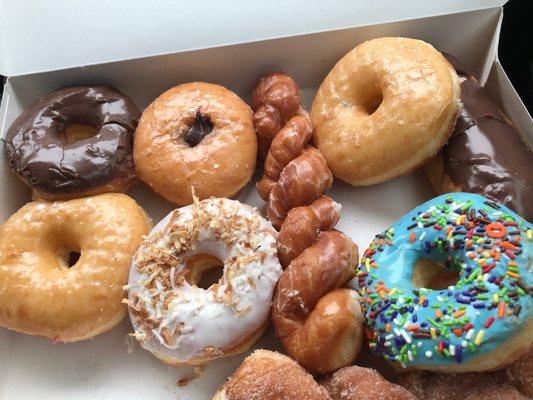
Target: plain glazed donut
[181,323]
[481,318]
[386,107]
[196,136]
[44,294]
[267,375]
[358,383]
[59,163]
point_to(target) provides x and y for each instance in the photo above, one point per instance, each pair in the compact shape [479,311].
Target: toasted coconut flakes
[196,373]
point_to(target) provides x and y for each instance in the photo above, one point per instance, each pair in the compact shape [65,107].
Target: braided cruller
[318,321]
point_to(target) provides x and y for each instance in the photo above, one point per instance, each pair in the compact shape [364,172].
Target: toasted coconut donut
[181,323]
[196,135]
[386,107]
[471,386]
[267,375]
[41,295]
[358,383]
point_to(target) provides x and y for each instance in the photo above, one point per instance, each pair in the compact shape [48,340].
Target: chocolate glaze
[485,154]
[199,130]
[37,151]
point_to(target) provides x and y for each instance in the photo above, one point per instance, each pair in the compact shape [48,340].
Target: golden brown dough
[320,325]
[196,135]
[384,109]
[302,226]
[358,383]
[472,386]
[40,294]
[275,100]
[267,375]
[288,144]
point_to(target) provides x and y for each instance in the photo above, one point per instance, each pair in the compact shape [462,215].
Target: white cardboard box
[102,368]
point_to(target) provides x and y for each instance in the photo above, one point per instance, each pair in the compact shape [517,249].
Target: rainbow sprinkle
[486,243]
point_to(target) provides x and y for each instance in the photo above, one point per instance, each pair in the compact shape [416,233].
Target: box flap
[47,35]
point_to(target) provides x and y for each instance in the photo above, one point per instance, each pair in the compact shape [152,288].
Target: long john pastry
[318,322]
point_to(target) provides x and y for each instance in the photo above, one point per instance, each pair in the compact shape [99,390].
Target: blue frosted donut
[480,322]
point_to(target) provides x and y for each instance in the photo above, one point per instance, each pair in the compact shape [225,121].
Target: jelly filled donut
[182,323]
[196,136]
[52,148]
[473,313]
[385,108]
[63,265]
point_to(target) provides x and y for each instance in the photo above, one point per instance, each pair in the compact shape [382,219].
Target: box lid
[44,35]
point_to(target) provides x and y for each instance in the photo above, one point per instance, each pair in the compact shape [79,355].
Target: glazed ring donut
[60,163]
[182,323]
[386,107]
[44,293]
[196,135]
[475,320]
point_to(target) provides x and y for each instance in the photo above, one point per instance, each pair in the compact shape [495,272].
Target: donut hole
[205,270]
[68,258]
[371,102]
[75,132]
[365,94]
[433,275]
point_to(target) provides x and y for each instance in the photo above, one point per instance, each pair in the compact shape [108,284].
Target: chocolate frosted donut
[485,153]
[57,165]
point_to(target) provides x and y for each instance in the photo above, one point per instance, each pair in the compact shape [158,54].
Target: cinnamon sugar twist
[318,322]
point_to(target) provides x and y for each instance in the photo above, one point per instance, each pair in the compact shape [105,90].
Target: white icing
[204,319]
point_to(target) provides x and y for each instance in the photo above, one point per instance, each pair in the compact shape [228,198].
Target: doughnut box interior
[112,366]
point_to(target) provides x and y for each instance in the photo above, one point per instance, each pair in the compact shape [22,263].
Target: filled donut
[358,383]
[267,375]
[182,323]
[75,142]
[485,154]
[469,386]
[385,108]
[196,136]
[63,265]
[448,287]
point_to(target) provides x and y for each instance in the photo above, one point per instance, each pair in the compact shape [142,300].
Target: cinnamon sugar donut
[358,383]
[385,107]
[44,293]
[181,323]
[267,375]
[195,136]
[471,386]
